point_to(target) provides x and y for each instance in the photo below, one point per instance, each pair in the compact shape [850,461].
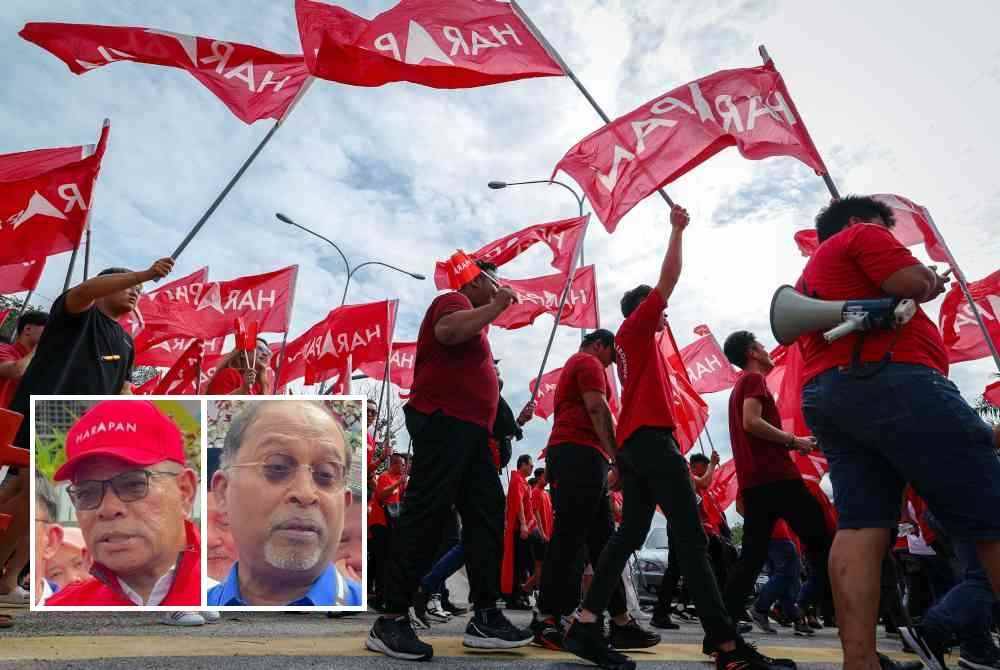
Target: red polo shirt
[377,515]
[8,353]
[582,373]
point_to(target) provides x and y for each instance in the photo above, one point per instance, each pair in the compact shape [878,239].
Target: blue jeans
[907,423]
[785,578]
[967,609]
[448,565]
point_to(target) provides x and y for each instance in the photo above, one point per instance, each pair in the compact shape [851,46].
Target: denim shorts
[905,424]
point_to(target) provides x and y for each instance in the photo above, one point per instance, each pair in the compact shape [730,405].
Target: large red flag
[165,353]
[26,164]
[22,276]
[183,377]
[962,335]
[253,83]
[631,157]
[562,237]
[404,355]
[725,485]
[134,321]
[545,400]
[785,383]
[541,295]
[44,213]
[436,43]
[706,365]
[992,394]
[690,411]
[913,226]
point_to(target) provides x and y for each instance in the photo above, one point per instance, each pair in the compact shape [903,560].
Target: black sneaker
[927,646]
[452,608]
[586,640]
[750,650]
[632,636]
[548,634]
[394,636]
[662,620]
[986,661]
[803,629]
[762,620]
[490,629]
[743,628]
[741,659]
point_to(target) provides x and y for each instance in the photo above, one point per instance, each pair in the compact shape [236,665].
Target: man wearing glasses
[133,496]
[283,485]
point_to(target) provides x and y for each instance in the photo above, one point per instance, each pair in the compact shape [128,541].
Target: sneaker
[762,620]
[779,617]
[803,629]
[743,628]
[926,646]
[548,633]
[394,637]
[210,616]
[16,596]
[490,629]
[632,636]
[183,619]
[975,662]
[741,658]
[587,641]
[750,650]
[434,610]
[814,622]
[889,664]
[452,608]
[662,620]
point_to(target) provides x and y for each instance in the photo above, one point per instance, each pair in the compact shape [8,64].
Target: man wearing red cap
[133,496]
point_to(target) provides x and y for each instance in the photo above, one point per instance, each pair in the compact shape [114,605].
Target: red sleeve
[877,253]
[381,484]
[644,321]
[588,373]
[755,386]
[8,352]
[449,304]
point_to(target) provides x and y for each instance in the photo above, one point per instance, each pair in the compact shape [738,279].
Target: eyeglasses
[279,469]
[128,486]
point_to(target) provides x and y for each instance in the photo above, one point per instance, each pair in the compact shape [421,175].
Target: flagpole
[86,257]
[827,179]
[960,278]
[201,365]
[69,270]
[569,73]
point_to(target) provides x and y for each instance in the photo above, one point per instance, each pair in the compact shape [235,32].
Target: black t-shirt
[78,354]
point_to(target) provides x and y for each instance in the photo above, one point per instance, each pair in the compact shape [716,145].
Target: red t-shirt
[582,373]
[541,501]
[227,380]
[853,264]
[519,493]
[647,396]
[8,353]
[758,461]
[376,517]
[459,380]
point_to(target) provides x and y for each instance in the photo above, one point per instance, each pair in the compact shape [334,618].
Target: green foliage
[50,454]
[738,534]
[190,428]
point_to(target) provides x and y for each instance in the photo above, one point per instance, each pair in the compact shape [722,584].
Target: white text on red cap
[110,427]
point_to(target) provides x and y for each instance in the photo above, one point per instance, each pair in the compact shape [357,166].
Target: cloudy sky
[898,98]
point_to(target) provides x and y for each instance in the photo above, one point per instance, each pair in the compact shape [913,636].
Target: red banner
[436,43]
[360,331]
[545,400]
[27,164]
[724,486]
[147,387]
[707,367]
[628,159]
[44,213]
[165,353]
[913,227]
[962,335]
[562,237]
[992,393]
[23,276]
[785,383]
[253,83]
[690,411]
[183,377]
[404,355]
[541,295]
[134,321]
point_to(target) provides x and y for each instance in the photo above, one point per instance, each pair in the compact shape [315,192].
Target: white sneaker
[435,610]
[16,596]
[183,619]
[210,616]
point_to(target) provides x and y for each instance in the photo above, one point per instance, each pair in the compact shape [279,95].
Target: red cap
[135,431]
[461,270]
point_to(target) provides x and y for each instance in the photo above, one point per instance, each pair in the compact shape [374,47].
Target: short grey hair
[246,416]
[45,495]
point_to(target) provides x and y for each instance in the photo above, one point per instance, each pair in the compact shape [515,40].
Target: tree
[737,538]
[10,323]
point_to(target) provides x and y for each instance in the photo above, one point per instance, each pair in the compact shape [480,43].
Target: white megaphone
[794,315]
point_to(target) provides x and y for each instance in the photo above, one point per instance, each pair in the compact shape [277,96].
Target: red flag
[545,400]
[630,158]
[562,237]
[134,321]
[183,377]
[913,226]
[404,355]
[166,352]
[27,164]
[702,330]
[3,315]
[149,386]
[992,393]
[22,276]
[785,383]
[962,335]
[690,411]
[361,331]
[253,83]
[44,213]
[813,466]
[541,295]
[724,486]
[706,365]
[342,382]
[436,43]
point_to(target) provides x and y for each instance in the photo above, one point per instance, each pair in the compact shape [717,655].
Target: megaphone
[794,315]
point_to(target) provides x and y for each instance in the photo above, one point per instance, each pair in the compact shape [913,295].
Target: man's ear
[54,540]
[187,482]
[220,489]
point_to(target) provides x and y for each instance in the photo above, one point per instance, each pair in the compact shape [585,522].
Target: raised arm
[81,297]
[670,271]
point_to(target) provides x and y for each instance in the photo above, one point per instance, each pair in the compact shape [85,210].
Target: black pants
[378,546]
[719,556]
[452,465]
[763,506]
[655,473]
[578,475]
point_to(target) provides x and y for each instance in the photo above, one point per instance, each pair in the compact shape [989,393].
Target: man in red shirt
[579,450]
[885,413]
[385,492]
[452,407]
[521,537]
[769,481]
[133,496]
[14,358]
[653,472]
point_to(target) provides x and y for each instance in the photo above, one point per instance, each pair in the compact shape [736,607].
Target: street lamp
[350,271]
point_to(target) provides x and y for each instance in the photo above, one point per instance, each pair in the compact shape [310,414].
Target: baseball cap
[135,431]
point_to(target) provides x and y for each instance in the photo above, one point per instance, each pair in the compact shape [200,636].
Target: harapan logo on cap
[109,427]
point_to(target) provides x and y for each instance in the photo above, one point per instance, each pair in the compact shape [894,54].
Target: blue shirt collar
[328,589]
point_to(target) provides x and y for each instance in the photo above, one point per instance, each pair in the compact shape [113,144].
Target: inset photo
[284,504]
[116,519]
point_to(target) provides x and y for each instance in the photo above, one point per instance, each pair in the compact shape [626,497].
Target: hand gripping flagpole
[239,173]
[569,73]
